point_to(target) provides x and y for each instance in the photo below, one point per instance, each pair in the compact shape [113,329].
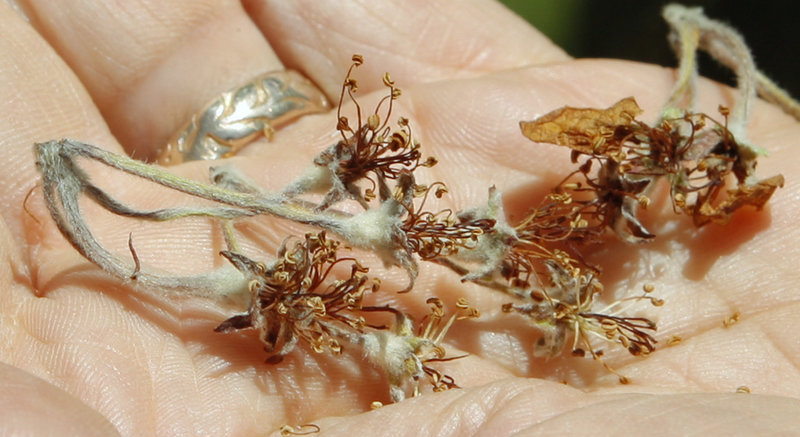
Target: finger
[44,100]
[418,41]
[149,65]
[25,400]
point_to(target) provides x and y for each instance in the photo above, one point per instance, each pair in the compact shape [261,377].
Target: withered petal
[582,129]
[756,195]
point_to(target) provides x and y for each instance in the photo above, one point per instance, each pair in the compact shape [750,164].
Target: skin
[92,354]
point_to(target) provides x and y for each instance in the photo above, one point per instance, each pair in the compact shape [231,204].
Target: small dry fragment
[674,340]
[731,320]
[289,430]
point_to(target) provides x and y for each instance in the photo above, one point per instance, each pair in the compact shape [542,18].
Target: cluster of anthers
[307,295]
[290,300]
[369,151]
[567,306]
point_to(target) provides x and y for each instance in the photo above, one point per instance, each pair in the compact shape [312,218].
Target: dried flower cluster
[292,301]
[295,299]
[539,263]
[694,153]
[311,296]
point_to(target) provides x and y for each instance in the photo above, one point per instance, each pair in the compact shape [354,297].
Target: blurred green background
[634,29]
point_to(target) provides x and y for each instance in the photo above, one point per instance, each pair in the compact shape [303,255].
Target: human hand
[126,77]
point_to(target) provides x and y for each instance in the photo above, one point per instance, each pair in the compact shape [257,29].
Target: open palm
[126,75]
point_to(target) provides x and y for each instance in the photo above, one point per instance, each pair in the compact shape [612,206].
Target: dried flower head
[292,302]
[370,150]
[567,305]
[405,355]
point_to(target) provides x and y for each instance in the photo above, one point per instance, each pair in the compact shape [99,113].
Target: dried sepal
[488,250]
[400,229]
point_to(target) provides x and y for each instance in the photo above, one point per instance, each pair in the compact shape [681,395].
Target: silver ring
[241,115]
